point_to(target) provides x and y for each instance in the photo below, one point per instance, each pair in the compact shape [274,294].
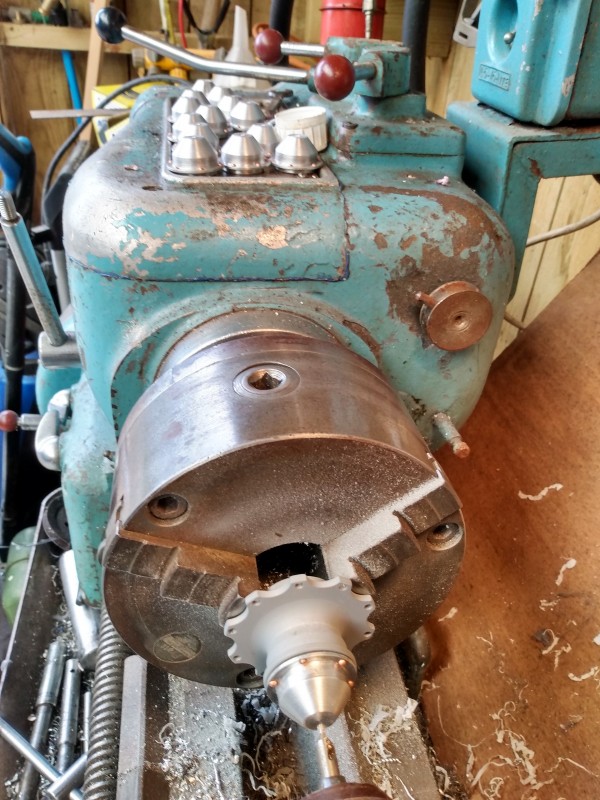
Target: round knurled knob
[456,315]
[267,46]
[109,22]
[334,77]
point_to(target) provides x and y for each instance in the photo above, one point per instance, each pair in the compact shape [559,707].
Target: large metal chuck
[266,449]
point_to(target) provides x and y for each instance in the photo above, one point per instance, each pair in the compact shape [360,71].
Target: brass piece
[456,315]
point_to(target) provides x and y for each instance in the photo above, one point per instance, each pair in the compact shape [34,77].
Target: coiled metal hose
[103,755]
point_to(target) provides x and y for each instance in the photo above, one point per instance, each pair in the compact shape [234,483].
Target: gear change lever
[333,77]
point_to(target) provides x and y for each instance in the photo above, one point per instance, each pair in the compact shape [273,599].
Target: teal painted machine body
[537,60]
[151,259]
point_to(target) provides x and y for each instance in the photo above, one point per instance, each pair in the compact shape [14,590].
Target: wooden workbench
[514,696]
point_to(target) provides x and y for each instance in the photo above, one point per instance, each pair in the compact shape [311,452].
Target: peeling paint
[567,85]
[380,241]
[273,238]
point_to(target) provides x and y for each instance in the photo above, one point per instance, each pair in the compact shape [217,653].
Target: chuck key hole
[266,379]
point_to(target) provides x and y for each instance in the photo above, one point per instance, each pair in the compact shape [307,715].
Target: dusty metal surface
[184,740]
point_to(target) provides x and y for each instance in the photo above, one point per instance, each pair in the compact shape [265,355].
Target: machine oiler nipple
[299,635]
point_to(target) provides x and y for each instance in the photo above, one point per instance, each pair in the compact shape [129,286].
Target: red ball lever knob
[334,77]
[9,421]
[268,46]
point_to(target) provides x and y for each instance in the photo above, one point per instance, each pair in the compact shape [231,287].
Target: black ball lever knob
[109,22]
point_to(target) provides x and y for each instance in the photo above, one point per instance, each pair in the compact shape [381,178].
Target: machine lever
[111,25]
[17,237]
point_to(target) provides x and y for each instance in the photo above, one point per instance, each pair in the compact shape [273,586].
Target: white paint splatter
[443,181]
[452,613]
[569,564]
[596,639]
[540,495]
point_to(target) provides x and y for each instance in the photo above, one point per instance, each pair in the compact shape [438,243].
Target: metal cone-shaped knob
[203,85]
[241,155]
[313,690]
[227,102]
[217,93]
[183,121]
[199,130]
[296,154]
[245,114]
[266,136]
[194,156]
[187,103]
[215,118]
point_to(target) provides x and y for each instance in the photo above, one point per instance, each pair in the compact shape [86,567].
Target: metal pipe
[280,16]
[59,265]
[47,699]
[69,715]
[364,71]
[182,56]
[414,35]
[85,620]
[17,237]
[85,721]
[302,49]
[14,365]
[70,779]
[22,746]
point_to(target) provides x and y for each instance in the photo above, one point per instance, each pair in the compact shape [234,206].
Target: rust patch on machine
[380,241]
[367,337]
[238,207]
[535,168]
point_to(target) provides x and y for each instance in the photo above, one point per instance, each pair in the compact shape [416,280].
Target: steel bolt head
[168,507]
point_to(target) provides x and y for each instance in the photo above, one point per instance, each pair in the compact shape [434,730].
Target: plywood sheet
[514,696]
